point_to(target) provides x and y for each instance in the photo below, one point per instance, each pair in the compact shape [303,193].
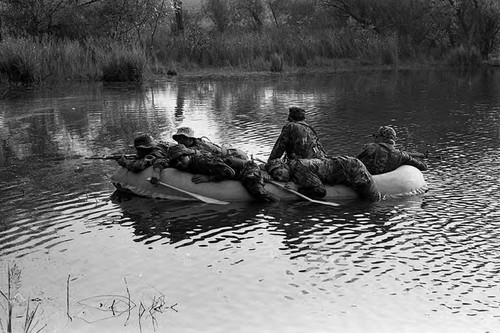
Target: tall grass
[463,57]
[30,61]
[19,61]
[123,63]
[266,50]
[36,60]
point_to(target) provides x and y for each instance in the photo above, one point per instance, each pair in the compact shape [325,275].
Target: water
[96,261]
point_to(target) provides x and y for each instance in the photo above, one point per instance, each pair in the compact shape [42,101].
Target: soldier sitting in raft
[149,153]
[297,139]
[208,167]
[311,175]
[381,155]
[185,136]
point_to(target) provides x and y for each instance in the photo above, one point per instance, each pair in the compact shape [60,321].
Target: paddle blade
[194,195]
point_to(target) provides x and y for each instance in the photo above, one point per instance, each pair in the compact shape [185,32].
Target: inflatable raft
[406,180]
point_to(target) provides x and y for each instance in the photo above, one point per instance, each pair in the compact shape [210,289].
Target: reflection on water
[260,267]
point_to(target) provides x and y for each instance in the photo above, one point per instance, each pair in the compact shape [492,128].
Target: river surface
[94,261]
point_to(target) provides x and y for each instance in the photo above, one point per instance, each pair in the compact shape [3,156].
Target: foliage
[431,23]
[64,38]
[125,20]
[218,11]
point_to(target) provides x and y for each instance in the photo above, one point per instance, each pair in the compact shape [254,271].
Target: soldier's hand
[122,161]
[197,179]
[267,178]
[154,180]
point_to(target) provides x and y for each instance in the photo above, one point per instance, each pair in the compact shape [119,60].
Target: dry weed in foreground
[13,285]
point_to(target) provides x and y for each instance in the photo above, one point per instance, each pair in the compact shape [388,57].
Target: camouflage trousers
[251,178]
[312,175]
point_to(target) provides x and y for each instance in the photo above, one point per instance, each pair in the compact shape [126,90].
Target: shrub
[123,67]
[19,61]
[122,63]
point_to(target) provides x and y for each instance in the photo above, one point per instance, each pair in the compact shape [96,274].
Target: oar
[327,203]
[194,195]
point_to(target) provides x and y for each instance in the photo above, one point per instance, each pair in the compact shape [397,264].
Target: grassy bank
[34,61]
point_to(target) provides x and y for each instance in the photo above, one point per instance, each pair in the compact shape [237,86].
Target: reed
[31,61]
[69,60]
[273,50]
[123,63]
[13,285]
[19,61]
[36,60]
[463,57]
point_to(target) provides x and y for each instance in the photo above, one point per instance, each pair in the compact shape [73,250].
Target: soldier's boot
[258,191]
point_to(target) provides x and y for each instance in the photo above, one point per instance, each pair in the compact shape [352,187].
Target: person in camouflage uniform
[311,175]
[381,155]
[208,167]
[149,153]
[185,136]
[297,139]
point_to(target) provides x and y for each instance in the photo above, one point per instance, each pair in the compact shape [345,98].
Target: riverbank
[345,65]
[46,59]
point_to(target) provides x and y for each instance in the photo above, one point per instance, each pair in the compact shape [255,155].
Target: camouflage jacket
[223,152]
[206,163]
[202,145]
[158,158]
[316,172]
[311,176]
[383,157]
[297,140]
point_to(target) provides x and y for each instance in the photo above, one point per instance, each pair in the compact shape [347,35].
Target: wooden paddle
[194,195]
[327,203]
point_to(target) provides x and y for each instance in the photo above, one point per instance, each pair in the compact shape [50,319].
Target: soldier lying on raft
[305,162]
[208,162]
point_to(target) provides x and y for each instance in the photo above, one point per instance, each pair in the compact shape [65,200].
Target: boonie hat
[179,150]
[296,113]
[183,131]
[144,141]
[386,132]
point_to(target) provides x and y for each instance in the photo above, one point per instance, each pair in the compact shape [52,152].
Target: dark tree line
[470,23]
[423,23]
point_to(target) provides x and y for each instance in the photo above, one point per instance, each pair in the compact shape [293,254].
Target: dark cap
[296,114]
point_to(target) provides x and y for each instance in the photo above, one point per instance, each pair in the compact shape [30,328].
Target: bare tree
[177,5]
